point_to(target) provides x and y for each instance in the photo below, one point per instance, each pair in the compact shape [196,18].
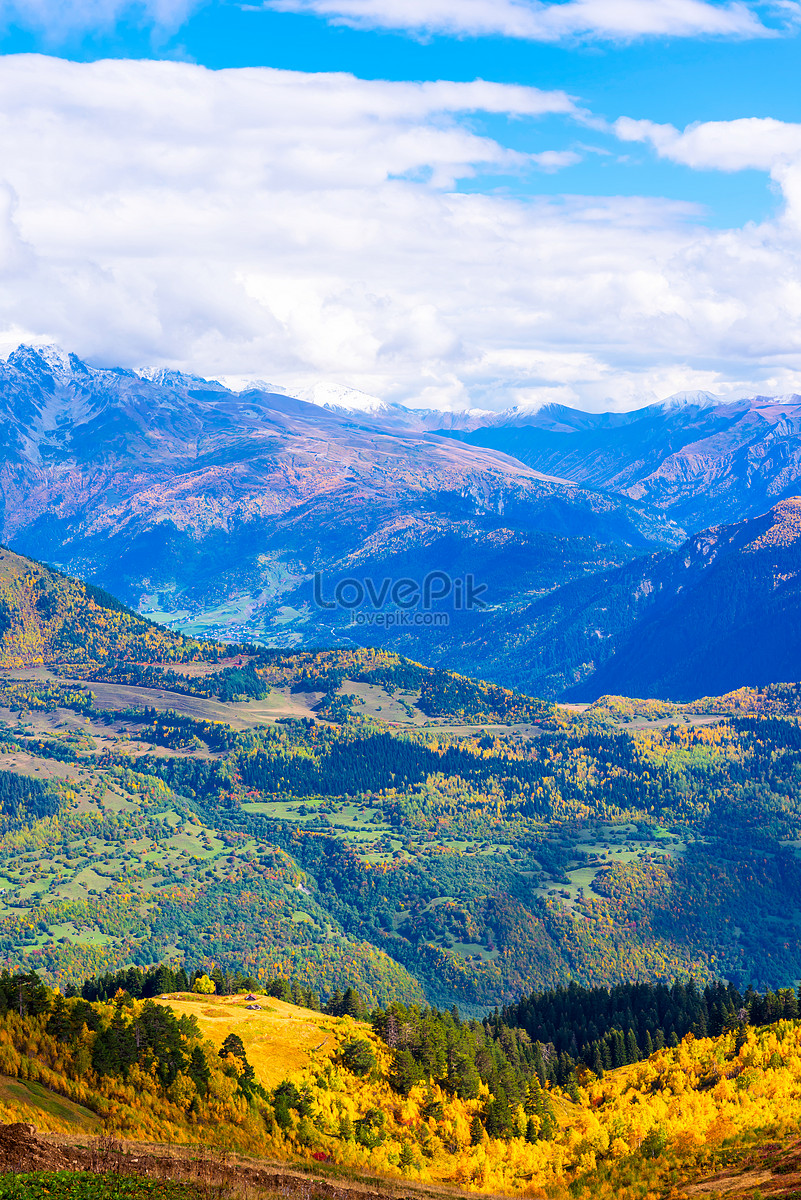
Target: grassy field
[25,1100]
[79,1185]
[279,1038]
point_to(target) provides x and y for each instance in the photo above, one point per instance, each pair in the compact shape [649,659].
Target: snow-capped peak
[57,362]
[167,376]
[248,383]
[339,396]
[691,399]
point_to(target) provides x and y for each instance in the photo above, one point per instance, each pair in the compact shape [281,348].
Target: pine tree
[352,1004]
[539,1063]
[406,1159]
[632,1049]
[198,1070]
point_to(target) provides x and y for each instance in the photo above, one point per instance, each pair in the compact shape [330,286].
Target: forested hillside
[46,617]
[411,1092]
[489,846]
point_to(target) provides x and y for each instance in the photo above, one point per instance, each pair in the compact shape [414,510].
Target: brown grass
[279,1039]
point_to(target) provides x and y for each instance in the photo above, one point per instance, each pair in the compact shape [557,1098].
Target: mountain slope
[46,617]
[413,1102]
[737,622]
[722,611]
[212,509]
[697,461]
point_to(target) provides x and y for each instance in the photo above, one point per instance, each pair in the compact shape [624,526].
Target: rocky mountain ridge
[214,510]
[209,507]
[720,612]
[701,463]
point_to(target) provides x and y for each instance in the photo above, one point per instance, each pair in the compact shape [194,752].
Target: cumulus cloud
[535,20]
[759,143]
[304,227]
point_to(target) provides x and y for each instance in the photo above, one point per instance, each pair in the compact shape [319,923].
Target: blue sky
[677,80]
[538,174]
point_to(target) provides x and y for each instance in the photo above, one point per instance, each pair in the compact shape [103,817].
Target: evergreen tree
[632,1049]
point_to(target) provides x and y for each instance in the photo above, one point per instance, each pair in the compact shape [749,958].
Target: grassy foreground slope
[705,1106]
[710,1107]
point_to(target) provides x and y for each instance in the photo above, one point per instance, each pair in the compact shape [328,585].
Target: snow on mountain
[334,396]
[248,383]
[693,400]
[47,359]
[341,398]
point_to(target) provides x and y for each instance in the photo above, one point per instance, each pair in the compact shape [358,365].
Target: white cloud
[304,227]
[555,160]
[535,20]
[760,143]
[57,18]
[749,143]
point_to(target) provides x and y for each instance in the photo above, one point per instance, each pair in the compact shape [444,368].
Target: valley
[489,843]
[595,540]
[407,847]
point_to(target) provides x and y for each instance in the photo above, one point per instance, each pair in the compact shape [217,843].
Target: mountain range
[697,460]
[212,508]
[720,611]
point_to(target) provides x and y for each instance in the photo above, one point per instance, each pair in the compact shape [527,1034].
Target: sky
[442,203]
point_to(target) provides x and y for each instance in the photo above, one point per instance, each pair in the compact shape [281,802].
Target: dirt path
[23,1149]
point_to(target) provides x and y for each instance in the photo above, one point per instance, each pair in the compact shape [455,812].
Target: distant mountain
[45,617]
[720,612]
[212,509]
[344,399]
[694,458]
